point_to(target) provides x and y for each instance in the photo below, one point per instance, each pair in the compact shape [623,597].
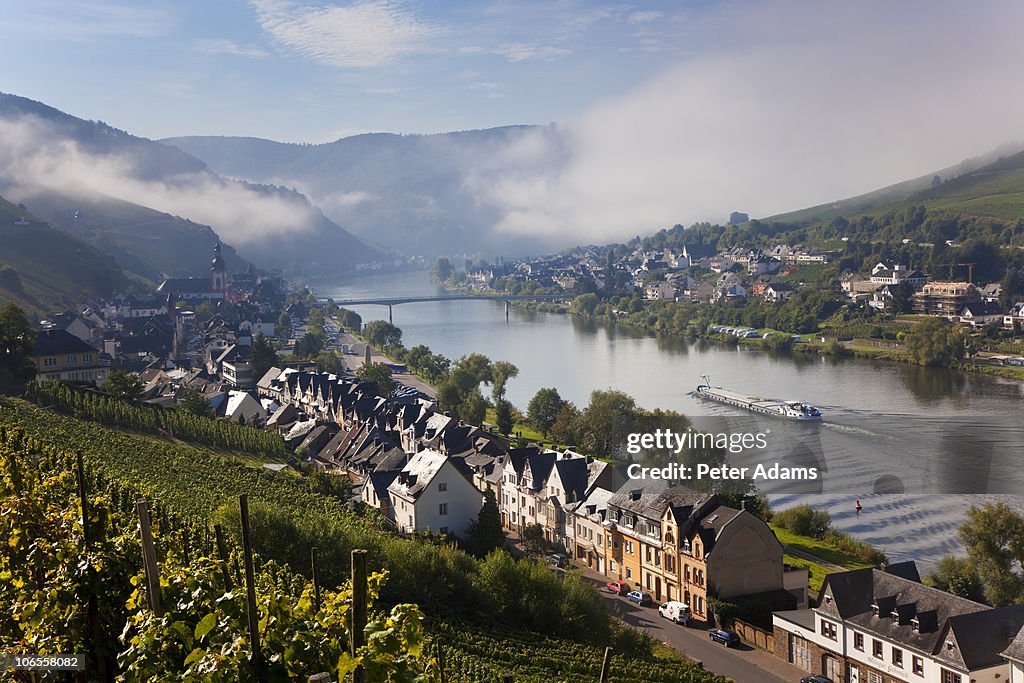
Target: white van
[675,611]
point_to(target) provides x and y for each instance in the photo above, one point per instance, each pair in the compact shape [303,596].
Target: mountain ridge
[147,201]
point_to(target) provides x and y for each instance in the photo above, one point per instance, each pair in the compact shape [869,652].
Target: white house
[882,626]
[242,406]
[434,491]
[1015,655]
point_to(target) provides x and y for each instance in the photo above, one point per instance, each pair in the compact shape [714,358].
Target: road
[742,663]
[354,360]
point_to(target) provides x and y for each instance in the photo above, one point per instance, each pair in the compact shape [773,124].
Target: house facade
[884,626]
[60,355]
[432,493]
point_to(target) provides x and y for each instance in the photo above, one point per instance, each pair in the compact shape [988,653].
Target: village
[426,472]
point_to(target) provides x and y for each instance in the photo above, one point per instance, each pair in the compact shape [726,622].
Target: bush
[805,521]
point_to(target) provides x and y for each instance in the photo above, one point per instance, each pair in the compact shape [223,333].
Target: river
[947,439]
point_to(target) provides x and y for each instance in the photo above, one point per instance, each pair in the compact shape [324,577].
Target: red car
[618,587]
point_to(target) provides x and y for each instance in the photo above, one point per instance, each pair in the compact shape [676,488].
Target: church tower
[218,272]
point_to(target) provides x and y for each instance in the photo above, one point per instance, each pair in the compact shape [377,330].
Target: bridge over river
[395,301]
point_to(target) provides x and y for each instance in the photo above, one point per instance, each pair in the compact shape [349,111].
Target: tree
[195,403]
[503,416]
[484,533]
[501,372]
[449,398]
[935,342]
[473,408]
[442,270]
[478,366]
[533,536]
[994,537]
[17,339]
[123,384]
[350,320]
[330,362]
[959,576]
[607,420]
[584,304]
[383,334]
[283,327]
[309,346]
[542,411]
[567,427]
[264,356]
[379,373]
[805,520]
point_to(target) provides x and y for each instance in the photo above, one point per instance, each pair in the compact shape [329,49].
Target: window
[897,657]
[71,360]
[49,362]
[876,648]
[874,678]
[650,554]
[629,573]
[918,665]
[950,677]
[828,629]
[442,487]
[858,641]
[87,358]
[648,582]
[628,545]
[442,509]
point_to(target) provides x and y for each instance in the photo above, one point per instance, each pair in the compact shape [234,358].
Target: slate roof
[417,474]
[56,342]
[979,633]
[1016,649]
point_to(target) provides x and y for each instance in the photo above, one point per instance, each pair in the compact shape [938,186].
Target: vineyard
[482,655]
[91,405]
[71,584]
[561,626]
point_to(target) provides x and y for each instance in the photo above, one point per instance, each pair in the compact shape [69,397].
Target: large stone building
[945,298]
[680,544]
[60,355]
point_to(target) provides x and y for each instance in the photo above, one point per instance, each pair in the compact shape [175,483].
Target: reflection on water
[938,432]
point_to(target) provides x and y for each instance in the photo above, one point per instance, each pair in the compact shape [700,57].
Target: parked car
[639,597]
[817,678]
[558,560]
[675,611]
[617,587]
[727,638]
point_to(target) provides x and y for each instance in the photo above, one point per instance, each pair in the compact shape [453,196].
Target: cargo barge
[789,410]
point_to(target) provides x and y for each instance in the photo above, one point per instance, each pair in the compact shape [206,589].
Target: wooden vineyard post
[315,567]
[222,552]
[606,665]
[359,608]
[149,557]
[250,586]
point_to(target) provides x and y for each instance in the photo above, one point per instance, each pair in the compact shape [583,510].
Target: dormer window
[874,609]
[916,623]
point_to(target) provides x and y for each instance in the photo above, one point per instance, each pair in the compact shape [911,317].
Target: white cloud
[35,156]
[518,52]
[221,46]
[644,16]
[807,103]
[384,91]
[358,35]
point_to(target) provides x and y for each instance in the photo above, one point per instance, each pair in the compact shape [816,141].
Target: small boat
[790,410]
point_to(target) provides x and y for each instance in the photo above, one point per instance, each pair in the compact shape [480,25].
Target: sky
[313,71]
[674,112]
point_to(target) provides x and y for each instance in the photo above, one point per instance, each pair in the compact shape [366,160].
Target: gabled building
[1014,654]
[884,625]
[434,492]
[60,355]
